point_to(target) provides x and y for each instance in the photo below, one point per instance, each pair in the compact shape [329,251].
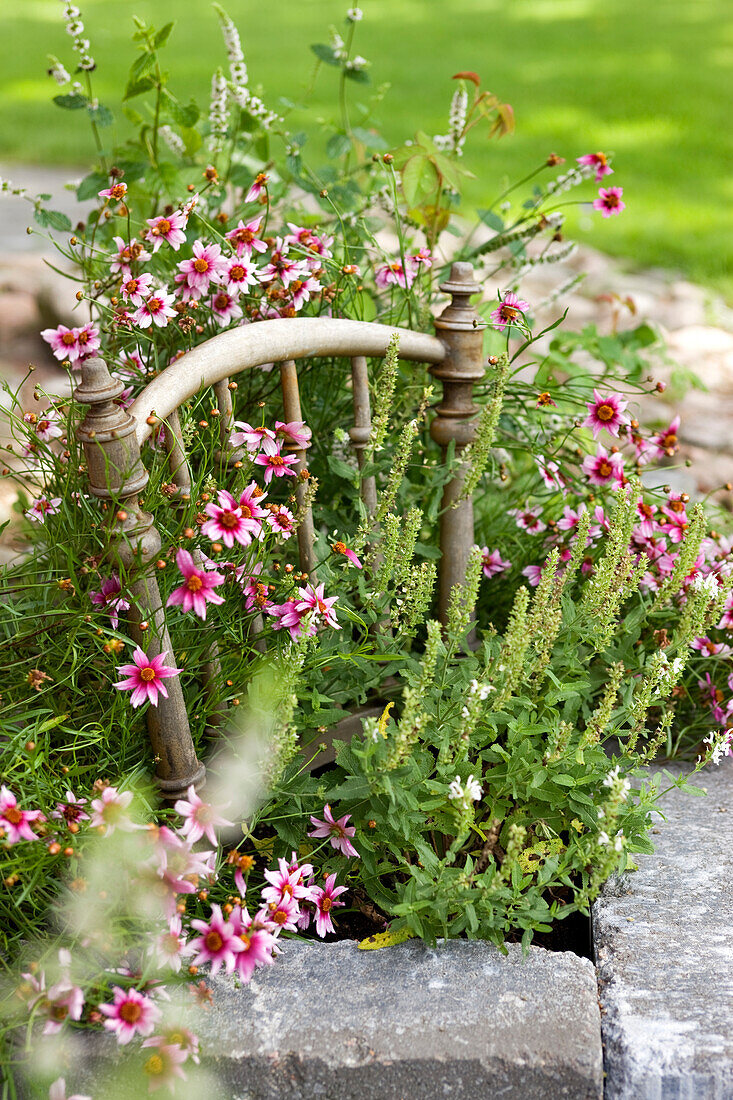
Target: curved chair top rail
[271,342]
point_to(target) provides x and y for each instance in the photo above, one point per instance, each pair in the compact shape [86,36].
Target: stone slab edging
[409,1022]
[664,948]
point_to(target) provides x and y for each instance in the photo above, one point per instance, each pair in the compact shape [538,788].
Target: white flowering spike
[218,112]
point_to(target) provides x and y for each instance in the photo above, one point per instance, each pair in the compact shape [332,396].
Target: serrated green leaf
[72,102]
[137,87]
[90,186]
[419,179]
[325,53]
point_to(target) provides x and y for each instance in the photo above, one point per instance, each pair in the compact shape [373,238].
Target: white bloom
[355,14]
[618,840]
[468,794]
[705,584]
[604,839]
[172,140]
[356,64]
[218,112]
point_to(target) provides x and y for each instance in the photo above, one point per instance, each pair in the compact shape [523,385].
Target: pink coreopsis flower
[666,443]
[46,426]
[136,288]
[170,947]
[126,255]
[255,439]
[599,161]
[422,257]
[57,1091]
[338,832]
[280,916]
[176,1036]
[286,882]
[227,522]
[341,548]
[287,616]
[200,817]
[197,588]
[605,411]
[218,943]
[281,520]
[42,507]
[394,274]
[71,810]
[164,1066]
[710,648]
[203,267]
[533,573]
[647,527]
[63,1001]
[244,238]
[16,823]
[225,308]
[168,228]
[510,310]
[145,677]
[314,599]
[325,898]
[258,943]
[550,473]
[131,365]
[284,267]
[528,519]
[252,513]
[108,596]
[603,467]
[110,811]
[295,431]
[277,465]
[130,1014]
[609,201]
[88,341]
[238,275]
[301,290]
[492,563]
[726,622]
[62,341]
[116,192]
[155,310]
[257,188]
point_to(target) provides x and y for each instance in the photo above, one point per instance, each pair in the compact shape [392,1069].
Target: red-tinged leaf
[473,77]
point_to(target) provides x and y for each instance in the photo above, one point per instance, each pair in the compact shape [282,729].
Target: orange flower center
[147,674]
[214,942]
[605,469]
[163,227]
[221,301]
[237,272]
[194,584]
[611,200]
[68,338]
[118,191]
[13,815]
[201,265]
[132,286]
[229,520]
[326,904]
[131,1012]
[280,916]
[246,511]
[670,440]
[509,312]
[606,412]
[275,460]
[154,305]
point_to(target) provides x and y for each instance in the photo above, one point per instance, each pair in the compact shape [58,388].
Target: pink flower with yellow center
[606,411]
[257,188]
[599,161]
[131,1013]
[281,916]
[169,228]
[218,944]
[200,818]
[603,467]
[609,201]
[667,442]
[145,677]
[287,616]
[116,192]
[325,898]
[529,519]
[225,308]
[259,945]
[227,523]
[16,823]
[295,432]
[109,811]
[135,288]
[42,507]
[244,238]
[281,520]
[276,465]
[46,426]
[286,882]
[394,274]
[239,275]
[155,310]
[255,439]
[71,810]
[492,563]
[62,341]
[164,1066]
[338,832]
[509,311]
[314,599]
[197,588]
[126,255]
[301,290]
[341,548]
[109,596]
[204,265]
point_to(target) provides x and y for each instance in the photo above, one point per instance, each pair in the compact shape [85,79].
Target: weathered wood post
[116,474]
[460,329]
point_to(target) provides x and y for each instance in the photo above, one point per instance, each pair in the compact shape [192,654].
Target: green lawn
[650,82]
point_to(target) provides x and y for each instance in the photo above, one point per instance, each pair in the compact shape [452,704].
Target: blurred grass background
[649,82]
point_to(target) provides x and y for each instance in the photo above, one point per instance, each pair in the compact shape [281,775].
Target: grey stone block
[664,948]
[456,1021]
